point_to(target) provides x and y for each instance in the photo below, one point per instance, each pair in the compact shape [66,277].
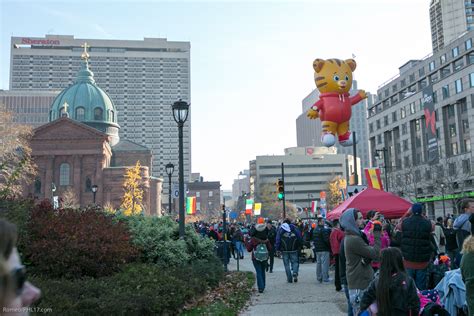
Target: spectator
[213,234]
[393,291]
[322,247]
[417,244]
[259,235]
[462,224]
[342,273]
[452,249]
[238,238]
[467,267]
[439,236]
[272,237]
[15,292]
[358,254]
[336,238]
[288,241]
[384,237]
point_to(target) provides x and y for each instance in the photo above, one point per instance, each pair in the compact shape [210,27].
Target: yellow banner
[257,209]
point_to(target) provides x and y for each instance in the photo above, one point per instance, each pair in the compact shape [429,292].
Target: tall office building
[143,77]
[28,107]
[421,126]
[308,132]
[449,19]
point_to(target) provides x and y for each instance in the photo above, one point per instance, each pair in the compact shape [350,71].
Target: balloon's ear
[318,64]
[351,63]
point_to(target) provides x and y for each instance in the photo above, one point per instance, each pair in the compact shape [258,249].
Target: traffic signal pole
[283,179]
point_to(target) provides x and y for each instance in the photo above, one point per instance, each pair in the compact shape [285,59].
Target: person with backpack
[392,292]
[288,241]
[462,226]
[322,246]
[259,245]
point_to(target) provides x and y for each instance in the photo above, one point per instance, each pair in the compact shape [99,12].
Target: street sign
[175,190]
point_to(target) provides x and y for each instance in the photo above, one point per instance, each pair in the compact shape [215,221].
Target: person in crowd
[452,248]
[439,235]
[358,255]
[288,241]
[384,238]
[336,238]
[342,274]
[272,237]
[16,293]
[392,291]
[417,244]
[259,236]
[467,266]
[213,234]
[322,247]
[462,224]
[238,238]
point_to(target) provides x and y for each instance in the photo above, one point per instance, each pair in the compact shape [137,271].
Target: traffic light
[280,189]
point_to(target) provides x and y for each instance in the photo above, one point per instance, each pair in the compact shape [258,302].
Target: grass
[229,298]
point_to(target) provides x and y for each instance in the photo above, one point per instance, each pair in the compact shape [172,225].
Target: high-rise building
[28,107]
[308,132]
[143,77]
[449,19]
[420,127]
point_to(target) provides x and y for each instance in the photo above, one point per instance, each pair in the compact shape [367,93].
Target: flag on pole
[191,205]
[257,209]
[314,206]
[248,207]
[373,178]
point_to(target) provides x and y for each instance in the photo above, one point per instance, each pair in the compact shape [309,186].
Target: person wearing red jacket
[335,239]
[259,235]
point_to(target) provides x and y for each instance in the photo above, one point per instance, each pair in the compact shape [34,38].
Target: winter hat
[417,208]
[260,220]
[286,227]
[261,231]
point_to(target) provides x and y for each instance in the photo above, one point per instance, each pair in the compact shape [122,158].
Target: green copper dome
[85,102]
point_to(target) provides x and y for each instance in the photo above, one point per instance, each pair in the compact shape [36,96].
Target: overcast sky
[251,61]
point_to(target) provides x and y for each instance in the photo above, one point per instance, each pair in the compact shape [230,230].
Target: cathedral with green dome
[79,153]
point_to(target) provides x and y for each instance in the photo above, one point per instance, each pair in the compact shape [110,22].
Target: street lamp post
[442,192]
[53,189]
[94,189]
[180,115]
[169,172]
[385,154]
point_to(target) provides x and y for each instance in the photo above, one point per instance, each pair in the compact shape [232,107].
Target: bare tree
[69,199]
[16,165]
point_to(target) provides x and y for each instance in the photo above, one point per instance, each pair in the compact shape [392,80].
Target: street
[306,297]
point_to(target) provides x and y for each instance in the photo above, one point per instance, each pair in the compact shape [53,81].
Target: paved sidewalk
[306,297]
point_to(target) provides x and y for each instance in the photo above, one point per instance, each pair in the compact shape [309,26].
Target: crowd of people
[407,266]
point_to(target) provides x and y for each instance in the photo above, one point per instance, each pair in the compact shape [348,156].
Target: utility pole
[354,146]
[283,179]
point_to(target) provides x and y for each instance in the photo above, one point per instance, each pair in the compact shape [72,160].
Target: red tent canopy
[388,204]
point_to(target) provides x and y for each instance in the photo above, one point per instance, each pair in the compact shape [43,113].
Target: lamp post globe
[169,171]
[94,189]
[180,115]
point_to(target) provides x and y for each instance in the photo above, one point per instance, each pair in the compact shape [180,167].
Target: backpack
[261,252]
[289,241]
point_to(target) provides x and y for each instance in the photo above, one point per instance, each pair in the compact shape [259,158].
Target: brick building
[80,147]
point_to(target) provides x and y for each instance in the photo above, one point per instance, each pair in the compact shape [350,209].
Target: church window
[80,114]
[64,176]
[112,118]
[98,114]
[37,185]
[88,185]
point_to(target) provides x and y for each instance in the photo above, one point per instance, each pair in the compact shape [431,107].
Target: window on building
[454,148]
[458,85]
[379,139]
[445,71]
[37,185]
[88,187]
[98,114]
[452,168]
[377,123]
[442,59]
[64,174]
[394,116]
[406,161]
[471,79]
[452,130]
[421,71]
[412,78]
[394,88]
[455,51]
[385,120]
[466,166]
[445,91]
[403,113]
[210,193]
[198,206]
[198,194]
[402,83]
[412,108]
[458,64]
[371,127]
[451,110]
[470,58]
[405,144]
[468,44]
[432,65]
[404,128]
[80,114]
[467,145]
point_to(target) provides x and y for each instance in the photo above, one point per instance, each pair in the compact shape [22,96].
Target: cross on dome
[85,54]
